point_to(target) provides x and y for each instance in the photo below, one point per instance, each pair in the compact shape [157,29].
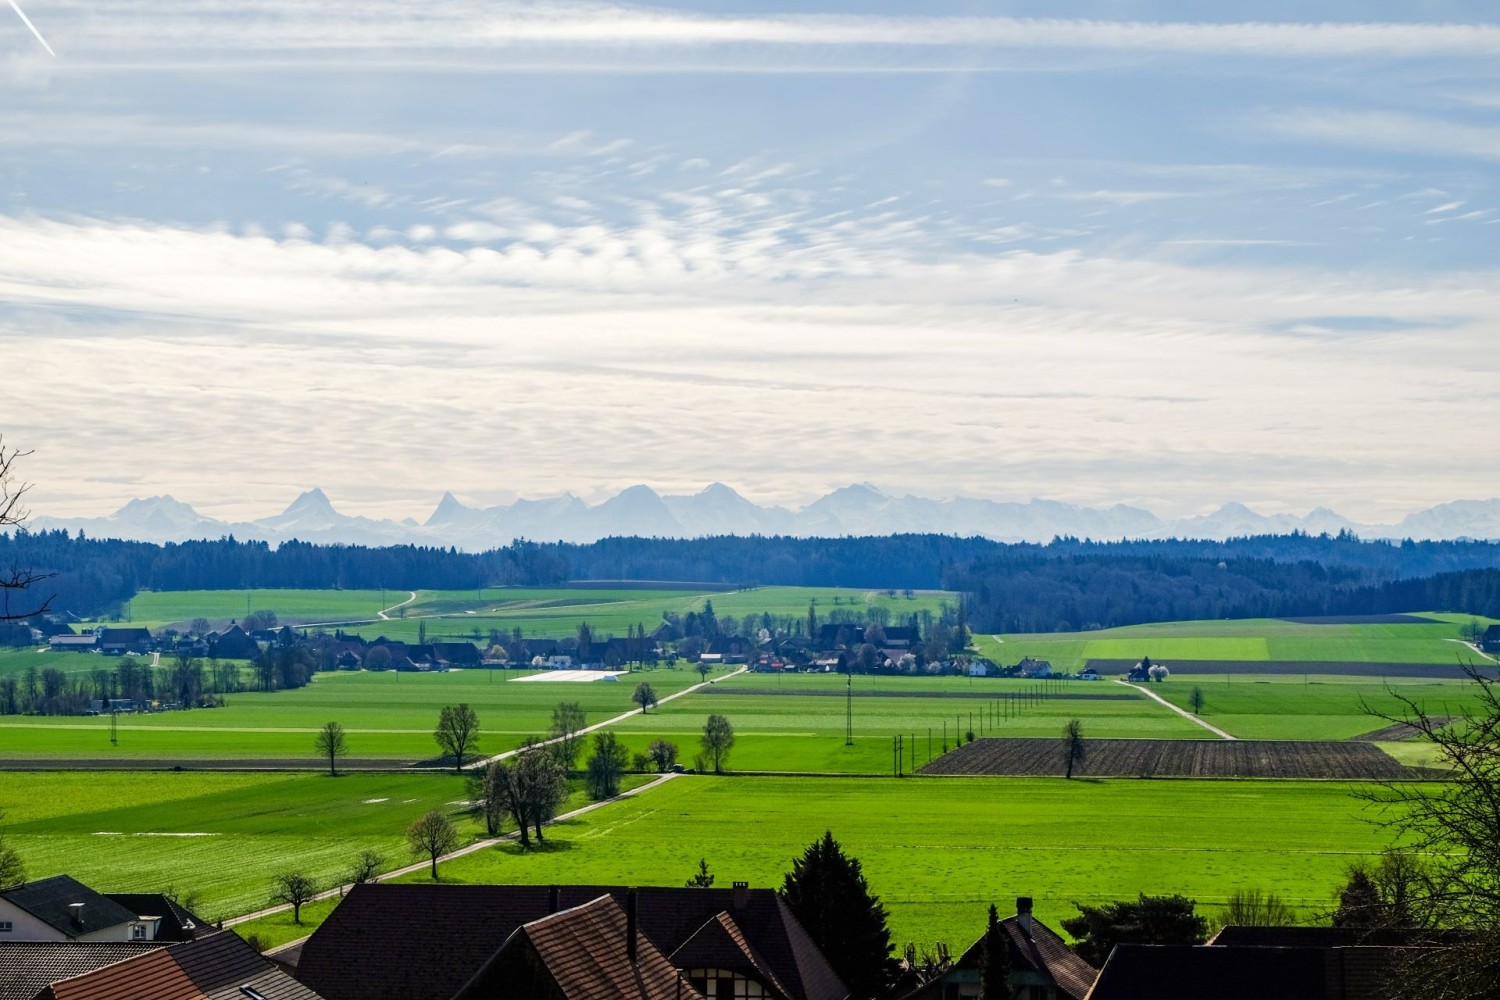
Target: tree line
[1064,585]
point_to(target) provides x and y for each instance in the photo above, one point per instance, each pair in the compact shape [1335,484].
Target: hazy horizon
[1129,252]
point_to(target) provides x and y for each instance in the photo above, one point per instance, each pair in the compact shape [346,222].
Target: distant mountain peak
[310,500]
[448,510]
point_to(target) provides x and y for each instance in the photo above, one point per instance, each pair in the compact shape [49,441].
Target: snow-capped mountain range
[719,510]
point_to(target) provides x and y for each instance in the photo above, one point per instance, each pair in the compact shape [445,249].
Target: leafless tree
[366,867]
[1073,747]
[457,731]
[16,579]
[432,836]
[294,889]
[330,743]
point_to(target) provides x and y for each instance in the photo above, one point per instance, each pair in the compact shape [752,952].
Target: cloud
[1385,130]
[200,32]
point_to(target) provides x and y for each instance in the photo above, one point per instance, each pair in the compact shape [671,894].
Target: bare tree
[330,743]
[1449,831]
[366,867]
[1253,908]
[294,889]
[15,579]
[432,836]
[457,731]
[1196,700]
[718,740]
[1072,744]
[567,720]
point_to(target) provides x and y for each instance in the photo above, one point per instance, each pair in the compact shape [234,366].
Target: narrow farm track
[478,845]
[393,607]
[481,764]
[1182,712]
[1474,649]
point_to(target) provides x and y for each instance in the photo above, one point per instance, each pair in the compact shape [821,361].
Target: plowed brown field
[1173,759]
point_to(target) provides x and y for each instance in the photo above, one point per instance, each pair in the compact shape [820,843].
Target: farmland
[1174,759]
[938,851]
[387,716]
[543,612]
[1426,639]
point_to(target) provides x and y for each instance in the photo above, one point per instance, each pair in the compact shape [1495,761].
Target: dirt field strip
[478,845]
[1182,712]
[481,764]
[1137,758]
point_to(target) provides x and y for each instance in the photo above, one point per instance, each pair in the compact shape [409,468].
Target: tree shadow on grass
[548,846]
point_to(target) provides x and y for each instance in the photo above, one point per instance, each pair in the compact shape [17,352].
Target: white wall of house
[25,927]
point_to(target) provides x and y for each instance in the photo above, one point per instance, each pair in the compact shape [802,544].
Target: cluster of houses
[61,940]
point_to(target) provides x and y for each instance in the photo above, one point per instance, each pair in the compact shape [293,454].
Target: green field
[224,836]
[552,612]
[939,851]
[796,722]
[1258,639]
[1285,707]
[387,715]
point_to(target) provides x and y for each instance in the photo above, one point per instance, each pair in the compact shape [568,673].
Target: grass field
[939,851]
[1263,639]
[550,612]
[1313,708]
[387,715]
[796,722]
[224,836]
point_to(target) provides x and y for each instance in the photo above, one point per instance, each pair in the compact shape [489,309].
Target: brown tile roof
[220,966]
[423,942]
[28,967]
[579,954]
[1044,952]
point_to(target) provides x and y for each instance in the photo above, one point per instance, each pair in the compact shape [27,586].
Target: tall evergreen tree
[994,961]
[827,893]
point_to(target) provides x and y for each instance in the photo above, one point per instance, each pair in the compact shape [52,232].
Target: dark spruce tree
[827,892]
[994,960]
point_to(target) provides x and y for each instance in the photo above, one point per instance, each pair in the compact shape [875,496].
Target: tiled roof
[27,967]
[579,954]
[403,942]
[221,966]
[50,900]
[1046,953]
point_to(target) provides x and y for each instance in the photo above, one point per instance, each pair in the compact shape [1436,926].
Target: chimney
[1023,914]
[630,926]
[741,895]
[75,914]
[554,899]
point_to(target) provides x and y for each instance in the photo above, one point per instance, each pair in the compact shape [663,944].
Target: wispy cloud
[1393,131]
[190,31]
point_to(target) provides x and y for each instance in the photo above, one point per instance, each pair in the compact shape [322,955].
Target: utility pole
[114,727]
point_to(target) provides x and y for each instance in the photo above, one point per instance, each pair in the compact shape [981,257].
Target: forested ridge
[1066,584]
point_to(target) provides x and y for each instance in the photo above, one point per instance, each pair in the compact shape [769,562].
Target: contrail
[27,21]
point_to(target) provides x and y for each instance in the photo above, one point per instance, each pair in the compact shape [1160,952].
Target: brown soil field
[1173,759]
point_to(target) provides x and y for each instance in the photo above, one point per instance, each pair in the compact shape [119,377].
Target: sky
[1162,253]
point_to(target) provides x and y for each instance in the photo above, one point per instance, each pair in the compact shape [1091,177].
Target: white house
[63,909]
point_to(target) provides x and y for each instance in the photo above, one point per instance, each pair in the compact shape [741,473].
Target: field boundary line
[477,765]
[1180,711]
[478,845]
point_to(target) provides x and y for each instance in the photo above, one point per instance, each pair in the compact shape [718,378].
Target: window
[5,927]
[138,932]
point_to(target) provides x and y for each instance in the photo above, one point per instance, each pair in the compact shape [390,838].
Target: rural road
[403,604]
[479,764]
[478,845]
[1185,714]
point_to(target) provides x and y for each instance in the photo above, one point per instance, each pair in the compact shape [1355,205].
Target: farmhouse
[1490,641]
[61,908]
[1042,966]
[233,643]
[397,942]
[118,641]
[74,643]
[1030,666]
